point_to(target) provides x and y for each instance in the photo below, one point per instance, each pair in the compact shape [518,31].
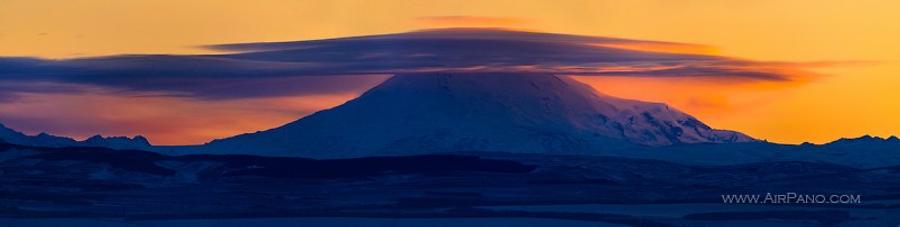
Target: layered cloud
[348,64]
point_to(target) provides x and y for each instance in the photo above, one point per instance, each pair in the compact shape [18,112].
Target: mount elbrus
[427,113]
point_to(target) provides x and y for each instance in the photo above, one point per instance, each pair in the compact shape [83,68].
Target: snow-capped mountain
[46,140]
[410,114]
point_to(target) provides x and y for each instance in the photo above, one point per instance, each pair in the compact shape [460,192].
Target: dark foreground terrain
[78,184]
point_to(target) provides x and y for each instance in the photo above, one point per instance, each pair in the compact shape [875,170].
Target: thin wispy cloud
[471,21]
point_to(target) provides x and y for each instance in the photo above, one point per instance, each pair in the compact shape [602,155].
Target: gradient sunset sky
[848,50]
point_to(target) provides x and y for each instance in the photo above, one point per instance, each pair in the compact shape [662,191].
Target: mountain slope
[512,113]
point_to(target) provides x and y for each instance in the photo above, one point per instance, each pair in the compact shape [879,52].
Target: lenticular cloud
[455,51]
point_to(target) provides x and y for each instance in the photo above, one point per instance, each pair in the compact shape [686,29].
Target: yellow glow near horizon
[847,102]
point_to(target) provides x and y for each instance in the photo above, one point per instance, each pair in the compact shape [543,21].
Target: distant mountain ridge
[46,140]
[865,139]
[861,152]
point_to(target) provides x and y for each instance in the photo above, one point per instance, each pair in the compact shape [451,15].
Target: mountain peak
[424,113]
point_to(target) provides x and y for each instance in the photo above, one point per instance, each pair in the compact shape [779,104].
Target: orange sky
[846,100]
